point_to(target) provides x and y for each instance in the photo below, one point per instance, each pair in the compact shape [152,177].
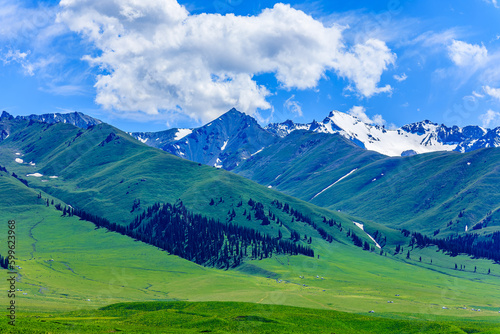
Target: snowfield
[390,142]
[181,133]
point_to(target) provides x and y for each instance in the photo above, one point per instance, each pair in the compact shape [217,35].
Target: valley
[71,269]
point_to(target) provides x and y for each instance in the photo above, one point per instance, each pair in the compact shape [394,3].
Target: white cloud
[360,113]
[431,39]
[24,23]
[19,57]
[401,77]
[467,55]
[293,106]
[493,2]
[476,94]
[157,58]
[493,92]
[490,119]
[364,66]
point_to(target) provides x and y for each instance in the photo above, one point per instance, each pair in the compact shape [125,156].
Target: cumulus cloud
[158,58]
[493,92]
[293,106]
[464,54]
[490,119]
[360,113]
[401,77]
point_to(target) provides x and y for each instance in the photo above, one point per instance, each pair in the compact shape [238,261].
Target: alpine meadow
[250,166]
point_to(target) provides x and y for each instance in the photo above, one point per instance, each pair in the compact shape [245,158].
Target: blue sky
[156,64]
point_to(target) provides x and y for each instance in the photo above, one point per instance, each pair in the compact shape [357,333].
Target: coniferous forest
[205,241]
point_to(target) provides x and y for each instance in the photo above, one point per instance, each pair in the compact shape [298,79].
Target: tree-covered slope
[107,173]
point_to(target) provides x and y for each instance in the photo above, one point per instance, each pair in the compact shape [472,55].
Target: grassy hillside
[446,191]
[66,265]
[182,317]
[303,163]
[104,170]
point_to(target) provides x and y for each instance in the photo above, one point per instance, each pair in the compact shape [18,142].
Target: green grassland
[230,317]
[68,265]
[70,270]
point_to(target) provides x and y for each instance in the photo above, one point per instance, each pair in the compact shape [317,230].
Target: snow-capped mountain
[223,143]
[76,118]
[421,137]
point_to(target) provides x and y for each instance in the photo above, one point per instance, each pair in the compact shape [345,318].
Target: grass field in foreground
[230,317]
[69,266]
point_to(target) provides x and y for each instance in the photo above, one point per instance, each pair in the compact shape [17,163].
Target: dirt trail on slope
[33,245]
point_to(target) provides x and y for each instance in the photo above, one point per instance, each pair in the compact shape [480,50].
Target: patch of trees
[355,239]
[483,223]
[300,217]
[3,169]
[4,262]
[25,182]
[260,214]
[485,246]
[194,237]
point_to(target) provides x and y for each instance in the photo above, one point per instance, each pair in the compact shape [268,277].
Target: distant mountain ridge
[76,118]
[420,137]
[235,137]
[223,143]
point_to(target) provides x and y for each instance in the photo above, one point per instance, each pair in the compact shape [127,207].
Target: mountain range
[309,219]
[234,137]
[225,142]
[335,164]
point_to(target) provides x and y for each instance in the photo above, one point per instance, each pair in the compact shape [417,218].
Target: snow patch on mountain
[262,149]
[19,161]
[181,133]
[362,227]
[343,177]
[218,163]
[411,139]
[142,140]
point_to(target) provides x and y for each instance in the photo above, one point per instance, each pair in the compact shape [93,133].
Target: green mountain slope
[109,174]
[303,163]
[67,264]
[446,191]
